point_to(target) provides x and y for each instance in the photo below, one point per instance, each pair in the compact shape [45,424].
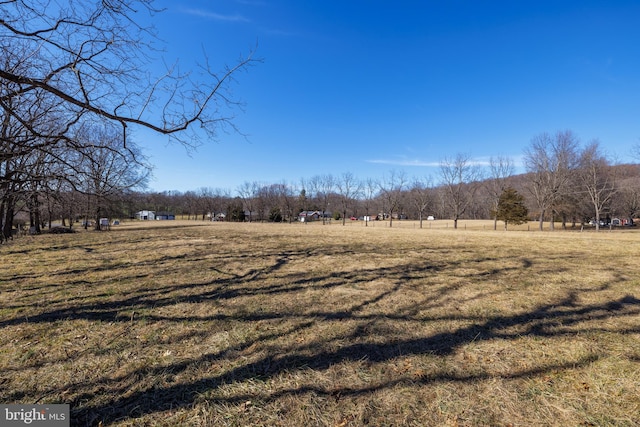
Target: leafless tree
[264,200]
[323,187]
[628,200]
[107,169]
[212,201]
[369,191]
[286,199]
[35,172]
[597,179]
[392,187]
[70,201]
[192,203]
[459,183]
[248,192]
[349,188]
[24,154]
[550,161]
[92,58]
[422,196]
[67,63]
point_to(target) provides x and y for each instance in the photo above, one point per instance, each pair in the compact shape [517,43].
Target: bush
[235,212]
[275,215]
[61,230]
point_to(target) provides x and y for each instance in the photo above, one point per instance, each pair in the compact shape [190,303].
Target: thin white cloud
[404,162]
[478,161]
[216,16]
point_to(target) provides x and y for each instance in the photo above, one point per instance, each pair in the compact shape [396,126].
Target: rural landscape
[426,214]
[215,323]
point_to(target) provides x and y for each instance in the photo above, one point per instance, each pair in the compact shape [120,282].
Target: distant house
[308,216]
[251,215]
[146,215]
[165,216]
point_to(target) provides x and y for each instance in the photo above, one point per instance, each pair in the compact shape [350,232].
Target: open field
[217,324]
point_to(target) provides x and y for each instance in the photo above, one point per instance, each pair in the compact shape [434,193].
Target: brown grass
[187,323]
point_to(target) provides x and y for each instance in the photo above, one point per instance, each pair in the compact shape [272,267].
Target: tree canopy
[511,208]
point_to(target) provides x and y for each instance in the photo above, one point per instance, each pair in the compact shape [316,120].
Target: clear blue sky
[370,86]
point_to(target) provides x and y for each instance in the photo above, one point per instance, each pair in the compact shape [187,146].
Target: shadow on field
[538,322]
[121,397]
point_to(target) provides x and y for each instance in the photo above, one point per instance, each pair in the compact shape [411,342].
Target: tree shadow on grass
[120,396]
[246,284]
[540,322]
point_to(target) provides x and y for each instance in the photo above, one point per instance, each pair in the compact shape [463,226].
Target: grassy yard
[200,324]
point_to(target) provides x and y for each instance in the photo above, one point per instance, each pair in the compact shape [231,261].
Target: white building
[146,215]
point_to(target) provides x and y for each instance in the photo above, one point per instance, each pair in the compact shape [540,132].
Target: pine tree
[511,208]
[275,215]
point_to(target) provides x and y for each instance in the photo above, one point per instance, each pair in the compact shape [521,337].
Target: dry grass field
[200,324]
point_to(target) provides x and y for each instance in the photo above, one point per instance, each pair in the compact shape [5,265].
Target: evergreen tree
[302,200]
[275,215]
[235,212]
[511,208]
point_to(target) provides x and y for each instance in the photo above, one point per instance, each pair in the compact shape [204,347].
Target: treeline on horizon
[564,182]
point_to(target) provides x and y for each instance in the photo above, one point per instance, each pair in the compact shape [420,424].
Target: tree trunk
[541,219]
[6,224]
[50,214]
[97,218]
[34,214]
[2,204]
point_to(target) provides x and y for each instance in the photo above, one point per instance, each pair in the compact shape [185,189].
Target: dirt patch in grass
[189,323]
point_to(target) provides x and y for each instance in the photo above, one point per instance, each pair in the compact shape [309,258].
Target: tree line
[565,181]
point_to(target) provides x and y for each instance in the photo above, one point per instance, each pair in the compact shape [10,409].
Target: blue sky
[370,86]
